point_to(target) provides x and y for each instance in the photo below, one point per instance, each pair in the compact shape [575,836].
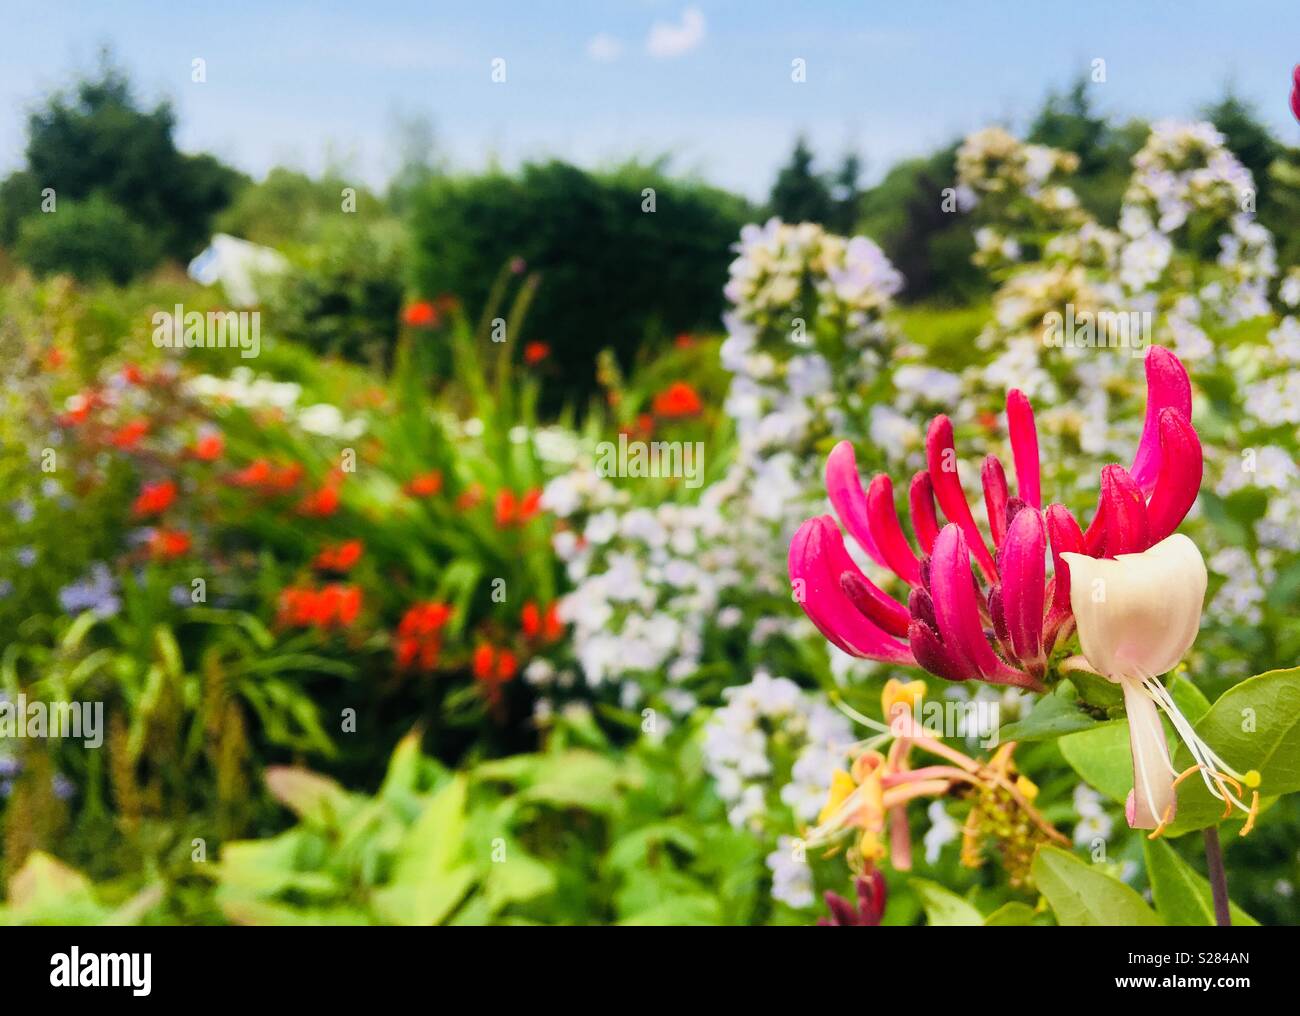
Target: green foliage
[610,274]
[289,208]
[342,294]
[1084,896]
[928,240]
[96,139]
[567,835]
[1182,896]
[92,240]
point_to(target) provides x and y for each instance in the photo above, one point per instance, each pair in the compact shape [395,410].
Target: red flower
[534,623]
[260,474]
[131,374]
[483,657]
[512,510]
[505,508]
[154,499]
[470,498]
[339,557]
[677,400]
[55,358]
[169,544]
[425,485]
[419,635]
[530,504]
[684,340]
[129,436]
[208,446]
[1295,92]
[332,606]
[552,627]
[493,668]
[530,620]
[320,503]
[536,352]
[421,315]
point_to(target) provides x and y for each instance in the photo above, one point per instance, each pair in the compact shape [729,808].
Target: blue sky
[707,80]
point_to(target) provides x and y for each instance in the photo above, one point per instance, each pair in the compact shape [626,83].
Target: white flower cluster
[243,388]
[779,266]
[767,728]
[1024,180]
[1094,823]
[648,584]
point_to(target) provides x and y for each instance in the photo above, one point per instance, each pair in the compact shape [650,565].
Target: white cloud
[669,40]
[604,48]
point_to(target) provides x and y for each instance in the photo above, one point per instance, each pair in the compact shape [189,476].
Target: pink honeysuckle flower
[971,612]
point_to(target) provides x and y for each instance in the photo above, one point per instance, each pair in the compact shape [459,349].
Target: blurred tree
[92,240]
[905,213]
[342,294]
[799,194]
[416,144]
[97,139]
[289,207]
[1247,138]
[1068,122]
[624,257]
[845,195]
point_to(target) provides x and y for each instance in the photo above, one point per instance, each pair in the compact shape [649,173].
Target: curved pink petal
[952,586]
[844,488]
[879,607]
[920,498]
[941,455]
[1024,447]
[1066,538]
[1023,561]
[995,497]
[888,532]
[1179,479]
[817,560]
[939,659]
[1168,387]
[1124,513]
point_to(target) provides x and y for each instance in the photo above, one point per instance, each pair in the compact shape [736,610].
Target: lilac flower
[96,591]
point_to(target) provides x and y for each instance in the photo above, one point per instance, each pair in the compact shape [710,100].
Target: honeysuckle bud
[1137,615]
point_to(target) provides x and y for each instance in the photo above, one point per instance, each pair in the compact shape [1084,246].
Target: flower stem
[1218,877]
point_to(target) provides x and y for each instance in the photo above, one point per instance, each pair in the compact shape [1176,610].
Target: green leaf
[428,879]
[1101,757]
[310,796]
[1254,725]
[944,908]
[678,911]
[1011,915]
[1053,716]
[1080,895]
[568,779]
[1183,898]
[518,878]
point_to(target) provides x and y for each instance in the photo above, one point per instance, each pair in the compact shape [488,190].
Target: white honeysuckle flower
[1137,615]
